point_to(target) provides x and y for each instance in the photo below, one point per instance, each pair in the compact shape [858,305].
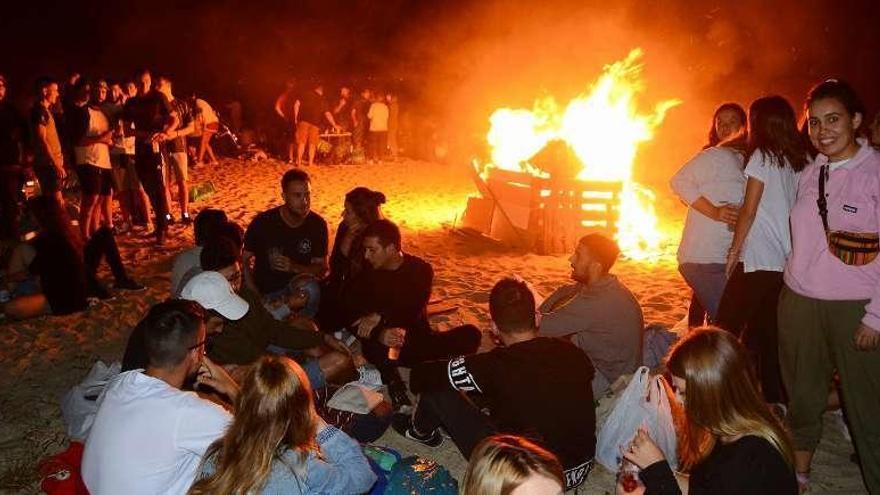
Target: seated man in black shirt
[536,387]
[386,307]
[288,247]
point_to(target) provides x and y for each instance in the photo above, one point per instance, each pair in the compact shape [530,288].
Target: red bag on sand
[60,474]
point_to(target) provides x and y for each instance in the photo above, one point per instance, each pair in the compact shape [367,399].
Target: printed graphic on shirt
[850,209]
[459,376]
[576,475]
[305,246]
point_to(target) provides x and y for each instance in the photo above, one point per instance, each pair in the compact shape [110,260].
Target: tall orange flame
[604,128]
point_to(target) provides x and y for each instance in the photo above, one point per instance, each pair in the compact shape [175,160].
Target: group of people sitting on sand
[224,385]
[267,319]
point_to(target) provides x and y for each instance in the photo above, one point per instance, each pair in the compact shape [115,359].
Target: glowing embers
[593,139]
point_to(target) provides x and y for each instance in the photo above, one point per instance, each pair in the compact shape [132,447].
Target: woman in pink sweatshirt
[829,310]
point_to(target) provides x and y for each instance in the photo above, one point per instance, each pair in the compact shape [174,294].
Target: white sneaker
[369,377]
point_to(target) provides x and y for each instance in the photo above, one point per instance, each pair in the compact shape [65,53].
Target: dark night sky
[465,57]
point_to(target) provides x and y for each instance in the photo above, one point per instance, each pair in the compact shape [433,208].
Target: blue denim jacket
[341,469]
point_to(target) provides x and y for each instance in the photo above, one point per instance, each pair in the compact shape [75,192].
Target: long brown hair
[774,133]
[273,413]
[721,398]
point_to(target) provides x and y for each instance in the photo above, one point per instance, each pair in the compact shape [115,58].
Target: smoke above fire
[505,54]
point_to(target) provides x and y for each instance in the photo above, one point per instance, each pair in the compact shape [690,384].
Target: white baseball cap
[212,291]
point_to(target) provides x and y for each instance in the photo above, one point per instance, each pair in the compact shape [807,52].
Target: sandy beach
[42,358]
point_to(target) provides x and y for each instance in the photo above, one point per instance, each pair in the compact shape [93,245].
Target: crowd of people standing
[367,123]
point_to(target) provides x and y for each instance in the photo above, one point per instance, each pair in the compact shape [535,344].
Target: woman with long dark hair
[727,122]
[362,207]
[711,184]
[829,310]
[731,442]
[278,443]
[762,240]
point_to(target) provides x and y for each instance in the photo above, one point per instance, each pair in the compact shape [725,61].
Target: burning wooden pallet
[547,215]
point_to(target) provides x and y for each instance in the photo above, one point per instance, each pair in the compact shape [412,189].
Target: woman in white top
[89,131]
[762,238]
[711,184]
[206,125]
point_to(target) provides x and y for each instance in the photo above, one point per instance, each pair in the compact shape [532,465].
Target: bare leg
[312,148]
[86,214]
[106,212]
[300,150]
[182,197]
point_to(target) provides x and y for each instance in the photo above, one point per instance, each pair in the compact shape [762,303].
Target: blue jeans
[309,364]
[708,281]
[310,285]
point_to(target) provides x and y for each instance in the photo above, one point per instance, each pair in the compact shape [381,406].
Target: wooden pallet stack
[547,215]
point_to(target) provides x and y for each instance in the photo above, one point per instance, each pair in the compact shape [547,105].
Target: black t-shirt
[362,108]
[77,119]
[539,389]
[399,296]
[301,244]
[149,113]
[62,273]
[749,465]
[312,108]
[342,116]
[13,132]
[184,112]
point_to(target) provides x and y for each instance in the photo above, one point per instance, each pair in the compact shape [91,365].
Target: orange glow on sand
[604,129]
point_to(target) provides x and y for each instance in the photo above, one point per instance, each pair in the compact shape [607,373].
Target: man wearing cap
[597,312]
[214,293]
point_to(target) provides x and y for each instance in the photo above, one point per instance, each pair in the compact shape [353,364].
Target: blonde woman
[278,444]
[507,464]
[731,442]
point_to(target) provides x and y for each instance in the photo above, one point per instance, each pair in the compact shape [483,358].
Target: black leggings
[748,310]
[460,417]
[149,170]
[102,245]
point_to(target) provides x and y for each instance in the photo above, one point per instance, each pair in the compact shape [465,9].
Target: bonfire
[593,140]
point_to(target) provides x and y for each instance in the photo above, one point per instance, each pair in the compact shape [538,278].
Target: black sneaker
[186,219]
[129,284]
[99,291]
[169,219]
[402,424]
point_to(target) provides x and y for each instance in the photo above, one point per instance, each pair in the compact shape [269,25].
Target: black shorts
[95,181]
[47,176]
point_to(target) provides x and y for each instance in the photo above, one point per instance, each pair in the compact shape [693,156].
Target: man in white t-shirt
[377,140]
[149,436]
